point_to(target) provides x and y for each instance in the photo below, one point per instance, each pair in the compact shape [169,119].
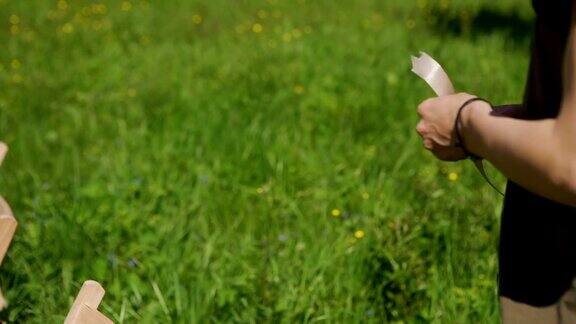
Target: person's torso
[538,236]
[544,88]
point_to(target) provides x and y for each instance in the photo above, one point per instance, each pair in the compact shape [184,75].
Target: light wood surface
[84,310]
[8,226]
[88,315]
[3,151]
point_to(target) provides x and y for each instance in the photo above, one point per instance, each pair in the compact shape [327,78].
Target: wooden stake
[8,226]
[85,307]
[91,316]
[3,151]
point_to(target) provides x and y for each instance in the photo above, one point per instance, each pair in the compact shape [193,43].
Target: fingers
[428,144]
[424,106]
[421,128]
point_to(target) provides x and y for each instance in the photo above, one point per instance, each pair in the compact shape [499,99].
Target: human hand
[436,126]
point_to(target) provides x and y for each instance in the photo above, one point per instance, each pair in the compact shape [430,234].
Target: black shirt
[538,236]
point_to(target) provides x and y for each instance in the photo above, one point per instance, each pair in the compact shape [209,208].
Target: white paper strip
[432,72]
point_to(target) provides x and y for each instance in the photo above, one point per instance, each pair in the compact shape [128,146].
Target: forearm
[535,154]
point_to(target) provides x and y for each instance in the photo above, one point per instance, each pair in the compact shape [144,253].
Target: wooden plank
[8,226]
[88,315]
[3,151]
[3,302]
[91,295]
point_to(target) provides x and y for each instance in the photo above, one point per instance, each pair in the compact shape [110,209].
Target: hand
[436,126]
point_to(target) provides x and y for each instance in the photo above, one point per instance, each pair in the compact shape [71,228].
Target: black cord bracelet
[460,141]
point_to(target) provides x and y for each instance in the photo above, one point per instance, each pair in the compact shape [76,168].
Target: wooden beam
[84,310]
[3,151]
[8,226]
[88,315]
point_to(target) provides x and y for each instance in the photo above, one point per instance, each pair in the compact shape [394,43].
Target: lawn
[248,161]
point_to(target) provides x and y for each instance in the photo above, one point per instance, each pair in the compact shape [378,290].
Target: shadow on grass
[510,24]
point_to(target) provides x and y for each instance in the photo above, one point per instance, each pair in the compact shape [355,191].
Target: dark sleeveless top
[538,236]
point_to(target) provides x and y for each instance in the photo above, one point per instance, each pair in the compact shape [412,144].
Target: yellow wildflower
[257,28]
[197,19]
[336,212]
[16,78]
[298,89]
[62,5]
[262,14]
[14,19]
[300,246]
[126,6]
[359,234]
[99,8]
[14,29]
[365,195]
[287,37]
[391,78]
[68,28]
[15,64]
[452,176]
[371,150]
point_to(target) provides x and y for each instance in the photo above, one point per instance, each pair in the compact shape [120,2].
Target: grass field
[248,161]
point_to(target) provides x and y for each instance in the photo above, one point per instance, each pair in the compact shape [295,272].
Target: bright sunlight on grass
[248,161]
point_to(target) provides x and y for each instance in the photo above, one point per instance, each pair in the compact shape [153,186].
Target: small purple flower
[133,263]
[369,312]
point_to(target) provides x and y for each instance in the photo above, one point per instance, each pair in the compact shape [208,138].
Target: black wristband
[460,141]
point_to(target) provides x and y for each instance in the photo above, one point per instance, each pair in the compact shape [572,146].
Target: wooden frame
[3,151]
[7,221]
[8,225]
[84,310]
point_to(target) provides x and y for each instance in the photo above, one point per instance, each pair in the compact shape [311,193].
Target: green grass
[191,164]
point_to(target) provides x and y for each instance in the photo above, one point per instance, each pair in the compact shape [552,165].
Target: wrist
[470,120]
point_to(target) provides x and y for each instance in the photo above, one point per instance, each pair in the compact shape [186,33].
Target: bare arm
[538,155]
